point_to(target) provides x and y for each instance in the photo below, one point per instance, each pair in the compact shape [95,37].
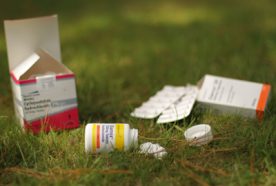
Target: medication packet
[180,109]
[159,102]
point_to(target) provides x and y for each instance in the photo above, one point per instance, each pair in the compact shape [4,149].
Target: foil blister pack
[172,103]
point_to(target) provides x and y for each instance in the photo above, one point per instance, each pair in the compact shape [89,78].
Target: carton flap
[200,82]
[40,63]
[22,68]
[25,36]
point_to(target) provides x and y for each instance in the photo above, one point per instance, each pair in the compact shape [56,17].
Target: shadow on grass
[123,52]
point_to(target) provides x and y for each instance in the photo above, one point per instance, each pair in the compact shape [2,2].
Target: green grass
[122,52]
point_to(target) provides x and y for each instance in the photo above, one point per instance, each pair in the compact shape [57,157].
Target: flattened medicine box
[234,96]
[44,90]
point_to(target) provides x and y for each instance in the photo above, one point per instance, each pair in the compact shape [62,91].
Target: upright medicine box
[44,89]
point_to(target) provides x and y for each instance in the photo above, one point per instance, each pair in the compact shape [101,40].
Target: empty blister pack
[180,109]
[159,102]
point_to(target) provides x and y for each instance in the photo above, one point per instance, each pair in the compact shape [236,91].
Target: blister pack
[181,108]
[159,102]
[172,103]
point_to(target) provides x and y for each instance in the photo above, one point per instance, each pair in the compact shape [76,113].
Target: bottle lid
[199,134]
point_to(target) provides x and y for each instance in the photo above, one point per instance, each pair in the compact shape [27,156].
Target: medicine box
[44,89]
[234,96]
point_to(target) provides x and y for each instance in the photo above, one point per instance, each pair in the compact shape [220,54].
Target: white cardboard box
[234,96]
[44,90]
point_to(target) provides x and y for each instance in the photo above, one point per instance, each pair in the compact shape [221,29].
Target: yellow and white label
[120,136]
[106,137]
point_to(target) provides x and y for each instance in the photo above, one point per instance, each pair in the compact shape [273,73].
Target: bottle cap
[199,134]
[87,137]
[134,137]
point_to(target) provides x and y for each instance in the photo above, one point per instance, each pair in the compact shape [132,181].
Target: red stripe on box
[29,81]
[64,76]
[64,120]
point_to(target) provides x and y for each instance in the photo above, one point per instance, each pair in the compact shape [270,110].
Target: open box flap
[25,36]
[39,63]
[200,82]
[22,68]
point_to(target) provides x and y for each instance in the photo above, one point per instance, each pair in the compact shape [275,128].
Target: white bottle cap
[199,134]
[88,138]
[134,137]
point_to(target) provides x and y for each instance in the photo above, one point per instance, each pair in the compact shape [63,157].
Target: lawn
[122,52]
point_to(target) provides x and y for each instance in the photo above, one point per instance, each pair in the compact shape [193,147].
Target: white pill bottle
[105,137]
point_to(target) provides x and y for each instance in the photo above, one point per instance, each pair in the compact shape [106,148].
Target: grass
[122,53]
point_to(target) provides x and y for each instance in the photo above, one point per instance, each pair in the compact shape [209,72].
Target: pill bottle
[105,137]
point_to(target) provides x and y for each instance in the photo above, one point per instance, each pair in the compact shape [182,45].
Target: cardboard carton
[44,89]
[234,96]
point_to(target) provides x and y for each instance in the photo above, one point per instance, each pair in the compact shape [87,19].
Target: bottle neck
[134,137]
